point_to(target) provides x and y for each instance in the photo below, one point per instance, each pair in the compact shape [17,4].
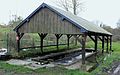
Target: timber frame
[47,19]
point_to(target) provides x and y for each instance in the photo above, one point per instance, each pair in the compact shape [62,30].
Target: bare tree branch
[71,5]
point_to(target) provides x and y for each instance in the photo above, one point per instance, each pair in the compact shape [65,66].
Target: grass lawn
[18,70]
[12,69]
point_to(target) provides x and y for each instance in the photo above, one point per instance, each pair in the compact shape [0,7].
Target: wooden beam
[103,42]
[106,38]
[93,39]
[21,35]
[68,39]
[107,44]
[18,41]
[57,42]
[110,43]
[57,39]
[58,35]
[79,40]
[100,38]
[41,44]
[70,36]
[76,39]
[42,36]
[96,42]
[84,36]
[18,38]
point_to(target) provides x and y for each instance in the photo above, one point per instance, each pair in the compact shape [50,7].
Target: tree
[97,22]
[118,24]
[108,28]
[71,5]
[15,21]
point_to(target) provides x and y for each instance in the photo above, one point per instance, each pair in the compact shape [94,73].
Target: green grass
[116,46]
[106,63]
[7,68]
[61,71]
[12,68]
[115,56]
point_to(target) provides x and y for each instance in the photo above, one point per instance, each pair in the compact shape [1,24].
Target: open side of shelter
[47,19]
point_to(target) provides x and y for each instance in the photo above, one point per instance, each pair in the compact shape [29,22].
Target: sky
[105,11]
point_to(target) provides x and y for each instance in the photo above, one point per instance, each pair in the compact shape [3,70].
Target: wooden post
[84,36]
[107,44]
[75,40]
[57,39]
[18,41]
[41,45]
[103,40]
[96,41]
[110,43]
[42,36]
[57,42]
[18,37]
[68,39]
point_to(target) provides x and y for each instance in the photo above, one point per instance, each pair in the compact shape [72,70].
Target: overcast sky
[106,11]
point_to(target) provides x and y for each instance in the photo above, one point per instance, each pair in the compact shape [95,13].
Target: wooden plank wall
[46,21]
